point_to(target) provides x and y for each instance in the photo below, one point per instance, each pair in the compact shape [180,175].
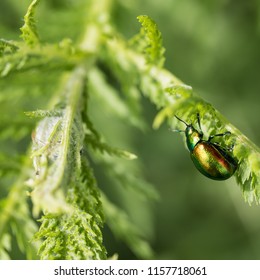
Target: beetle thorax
[192,137]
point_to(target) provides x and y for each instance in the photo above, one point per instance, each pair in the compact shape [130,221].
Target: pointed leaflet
[29,30]
[154,49]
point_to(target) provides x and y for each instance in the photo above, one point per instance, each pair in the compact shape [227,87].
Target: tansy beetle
[210,158]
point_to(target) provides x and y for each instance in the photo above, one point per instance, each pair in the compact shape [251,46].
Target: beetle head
[193,136]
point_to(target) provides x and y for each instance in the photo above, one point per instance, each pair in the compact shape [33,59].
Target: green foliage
[154,49]
[75,234]
[74,84]
[7,47]
[125,230]
[29,30]
[62,186]
[16,219]
[245,152]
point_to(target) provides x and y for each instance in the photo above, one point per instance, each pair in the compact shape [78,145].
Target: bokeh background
[214,46]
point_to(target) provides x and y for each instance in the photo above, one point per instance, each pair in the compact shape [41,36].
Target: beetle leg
[230,148]
[226,149]
[219,134]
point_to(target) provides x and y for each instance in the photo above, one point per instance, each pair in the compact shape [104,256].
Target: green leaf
[154,49]
[54,152]
[125,176]
[29,30]
[43,113]
[5,247]
[50,57]
[108,95]
[71,237]
[14,216]
[62,185]
[76,234]
[246,153]
[174,97]
[7,47]
[102,147]
[124,229]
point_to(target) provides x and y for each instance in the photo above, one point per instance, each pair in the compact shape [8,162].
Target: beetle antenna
[180,120]
[176,130]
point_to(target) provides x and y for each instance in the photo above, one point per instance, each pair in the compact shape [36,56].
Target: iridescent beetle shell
[212,160]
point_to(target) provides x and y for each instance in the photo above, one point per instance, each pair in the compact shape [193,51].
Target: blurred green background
[214,46]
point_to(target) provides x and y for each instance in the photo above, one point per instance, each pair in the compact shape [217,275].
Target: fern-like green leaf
[57,175]
[70,237]
[174,97]
[45,57]
[125,176]
[105,148]
[14,215]
[63,185]
[186,105]
[29,30]
[54,149]
[122,227]
[43,113]
[5,247]
[154,49]
[7,47]
[122,108]
[77,234]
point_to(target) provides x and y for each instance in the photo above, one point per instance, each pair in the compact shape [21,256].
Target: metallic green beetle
[212,160]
